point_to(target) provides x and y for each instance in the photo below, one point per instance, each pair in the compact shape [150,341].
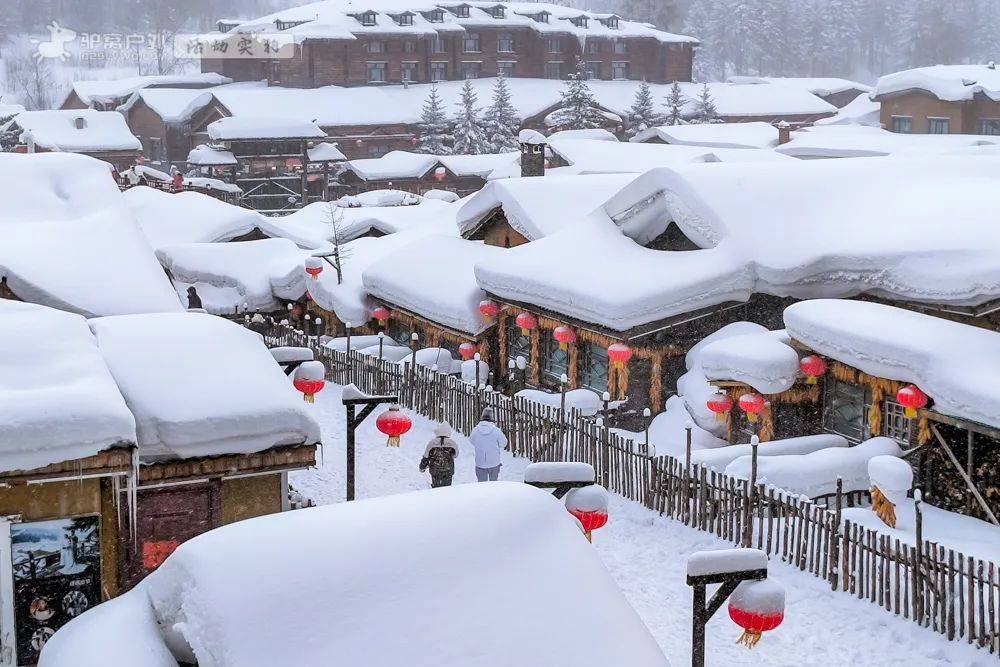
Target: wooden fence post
[835,536]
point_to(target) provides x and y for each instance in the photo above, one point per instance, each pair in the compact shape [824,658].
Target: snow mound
[76,131]
[764,361]
[893,477]
[550,472]
[725,561]
[429,357]
[719,459]
[187,217]
[714,135]
[584,400]
[953,83]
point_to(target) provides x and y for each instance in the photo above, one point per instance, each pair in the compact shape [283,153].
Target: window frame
[375,46]
[471,66]
[436,66]
[506,65]
[618,64]
[620,47]
[554,362]
[474,38]
[938,122]
[462,11]
[435,42]
[405,19]
[557,66]
[554,41]
[995,123]
[586,363]
[898,120]
[409,65]
[505,39]
[522,346]
[369,18]
[849,394]
[378,65]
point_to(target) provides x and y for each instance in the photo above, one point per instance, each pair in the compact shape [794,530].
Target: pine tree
[704,107]
[675,105]
[501,122]
[642,115]
[469,139]
[579,109]
[434,125]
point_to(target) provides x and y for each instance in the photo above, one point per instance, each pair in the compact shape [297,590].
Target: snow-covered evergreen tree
[642,114]
[468,131]
[434,134]
[579,109]
[675,105]
[704,107]
[500,120]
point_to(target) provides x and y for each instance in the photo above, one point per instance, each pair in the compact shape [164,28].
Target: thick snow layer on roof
[234,129]
[874,226]
[384,197]
[720,457]
[595,134]
[172,105]
[765,361]
[953,83]
[957,365]
[200,385]
[860,111]
[231,277]
[68,240]
[203,183]
[76,131]
[538,206]
[116,89]
[352,552]
[433,277]
[187,217]
[837,141]
[822,86]
[600,157]
[402,164]
[8,110]
[714,135]
[326,152]
[58,401]
[208,156]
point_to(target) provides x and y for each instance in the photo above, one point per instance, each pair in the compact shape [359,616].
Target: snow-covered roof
[605,157]
[714,135]
[862,110]
[823,86]
[230,277]
[326,152]
[173,105]
[76,131]
[594,134]
[403,164]
[957,365]
[187,217]
[538,206]
[9,110]
[200,385]
[203,155]
[546,590]
[337,19]
[765,361]
[914,229]
[58,401]
[433,277]
[836,141]
[112,90]
[952,83]
[257,127]
[68,240]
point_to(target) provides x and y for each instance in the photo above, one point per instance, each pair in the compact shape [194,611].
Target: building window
[471,70]
[540,17]
[517,345]
[505,68]
[593,47]
[553,70]
[611,22]
[505,43]
[471,43]
[272,72]
[437,44]
[376,73]
[553,45]
[902,124]
[435,16]
[990,126]
[368,18]
[398,332]
[405,19]
[155,150]
[375,46]
[593,70]
[497,12]
[938,125]
[895,423]
[462,11]
[410,72]
[621,46]
[377,150]
[845,409]
[409,46]
[579,21]
[439,71]
[593,367]
[619,71]
[555,362]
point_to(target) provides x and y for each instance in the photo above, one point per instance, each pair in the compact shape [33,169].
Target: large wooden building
[943,99]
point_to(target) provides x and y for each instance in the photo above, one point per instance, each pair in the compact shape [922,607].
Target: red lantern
[527,322]
[440,173]
[565,336]
[589,505]
[467,350]
[381,314]
[912,399]
[314,267]
[309,379]
[393,423]
[752,404]
[489,309]
[757,607]
[720,404]
[619,354]
[591,521]
[813,367]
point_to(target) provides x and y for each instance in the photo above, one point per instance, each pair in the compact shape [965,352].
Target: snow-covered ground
[647,555]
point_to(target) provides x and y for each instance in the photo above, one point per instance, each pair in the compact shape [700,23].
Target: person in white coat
[489,441]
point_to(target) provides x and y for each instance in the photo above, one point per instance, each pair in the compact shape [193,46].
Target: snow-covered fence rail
[951,593]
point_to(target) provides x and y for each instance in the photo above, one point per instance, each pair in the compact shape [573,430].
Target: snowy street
[647,555]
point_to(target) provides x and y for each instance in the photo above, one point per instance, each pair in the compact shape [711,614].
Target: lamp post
[354,420]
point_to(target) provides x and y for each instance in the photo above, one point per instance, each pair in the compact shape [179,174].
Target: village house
[160,117]
[100,134]
[373,44]
[419,173]
[942,99]
[109,94]
[836,91]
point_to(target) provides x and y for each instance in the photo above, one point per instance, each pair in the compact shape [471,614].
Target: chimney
[532,153]
[784,132]
[80,123]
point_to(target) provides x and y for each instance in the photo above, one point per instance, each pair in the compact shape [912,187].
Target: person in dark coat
[439,457]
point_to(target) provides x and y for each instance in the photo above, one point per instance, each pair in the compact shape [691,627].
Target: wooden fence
[937,587]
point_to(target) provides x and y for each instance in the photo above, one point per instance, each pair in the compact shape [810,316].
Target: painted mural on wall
[57,576]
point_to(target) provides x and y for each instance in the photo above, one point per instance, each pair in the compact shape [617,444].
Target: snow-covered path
[646,554]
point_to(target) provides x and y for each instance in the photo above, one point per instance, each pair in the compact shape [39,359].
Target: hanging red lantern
[489,309]
[589,505]
[813,367]
[757,607]
[381,315]
[720,404]
[393,423]
[467,350]
[309,379]
[314,267]
[912,399]
[359,143]
[565,336]
[440,173]
[527,322]
[752,404]
[619,354]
